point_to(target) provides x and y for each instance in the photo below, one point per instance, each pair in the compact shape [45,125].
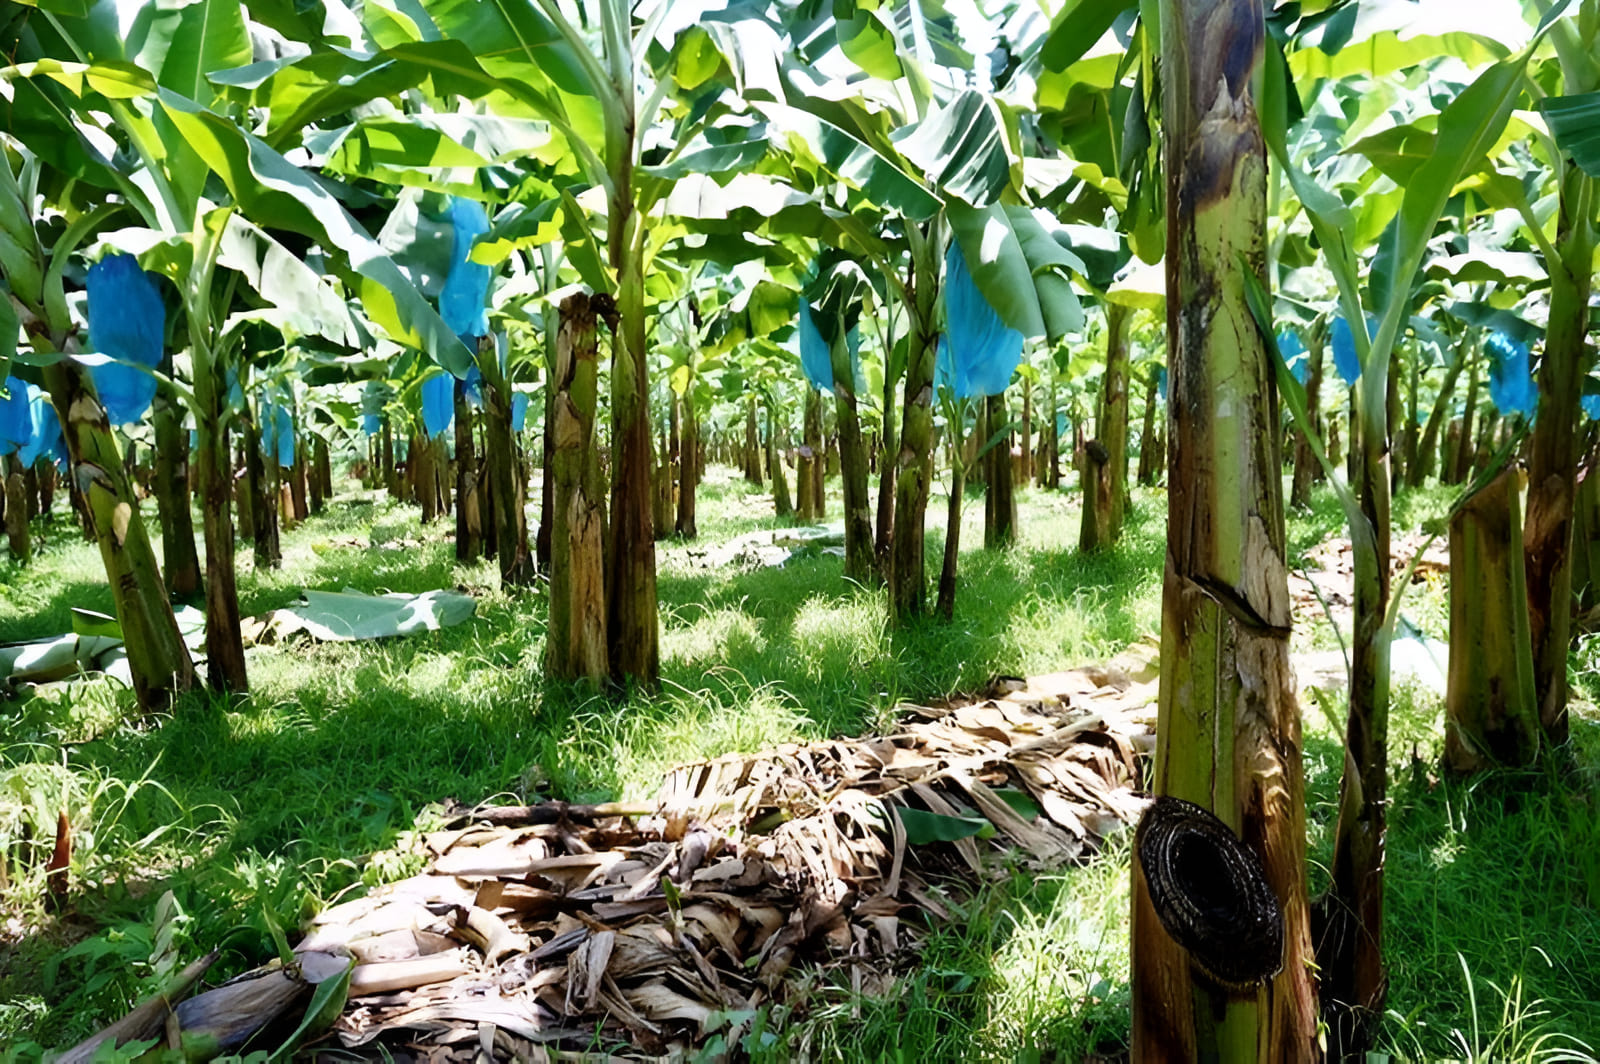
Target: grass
[255,813]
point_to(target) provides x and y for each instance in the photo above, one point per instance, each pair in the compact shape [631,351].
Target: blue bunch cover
[127,322]
[474,387]
[277,432]
[977,353]
[370,424]
[1161,382]
[464,302]
[1590,401]
[45,439]
[519,411]
[438,403]
[1345,359]
[285,436]
[814,357]
[1511,384]
[16,423]
[1294,355]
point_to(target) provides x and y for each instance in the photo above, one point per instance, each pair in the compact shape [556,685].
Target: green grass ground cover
[255,814]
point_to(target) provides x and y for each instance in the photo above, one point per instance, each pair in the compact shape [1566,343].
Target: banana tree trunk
[1024,472]
[391,478]
[1228,737]
[469,520]
[1491,715]
[1000,511]
[157,658]
[263,503]
[1428,447]
[780,483]
[1306,467]
[575,646]
[686,524]
[1149,445]
[225,667]
[945,606]
[858,553]
[1553,466]
[1111,425]
[752,443]
[182,566]
[914,463]
[322,465]
[883,541]
[18,536]
[809,468]
[1460,466]
[1350,916]
[632,621]
[298,475]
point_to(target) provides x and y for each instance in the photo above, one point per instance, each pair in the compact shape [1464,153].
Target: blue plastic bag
[438,403]
[814,357]
[285,437]
[978,353]
[45,439]
[1511,384]
[519,411]
[16,423]
[127,322]
[370,424]
[1294,355]
[464,302]
[1345,358]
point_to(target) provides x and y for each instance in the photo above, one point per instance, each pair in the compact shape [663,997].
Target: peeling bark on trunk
[1228,737]
[575,646]
[1553,464]
[1491,713]
[469,520]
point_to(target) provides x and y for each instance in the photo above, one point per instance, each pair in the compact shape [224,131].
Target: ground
[257,813]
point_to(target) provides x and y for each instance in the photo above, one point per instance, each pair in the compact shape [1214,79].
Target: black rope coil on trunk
[1210,893]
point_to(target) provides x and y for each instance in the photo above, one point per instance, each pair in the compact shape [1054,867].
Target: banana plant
[1350,955]
[84,84]
[159,662]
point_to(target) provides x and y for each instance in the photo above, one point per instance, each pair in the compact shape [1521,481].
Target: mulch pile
[545,930]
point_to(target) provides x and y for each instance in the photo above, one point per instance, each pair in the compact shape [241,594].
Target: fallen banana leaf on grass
[348,615]
[539,931]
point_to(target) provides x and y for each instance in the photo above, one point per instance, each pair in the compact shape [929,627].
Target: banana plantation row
[675,226]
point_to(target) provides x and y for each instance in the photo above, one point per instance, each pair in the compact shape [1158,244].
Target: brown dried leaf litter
[556,929]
